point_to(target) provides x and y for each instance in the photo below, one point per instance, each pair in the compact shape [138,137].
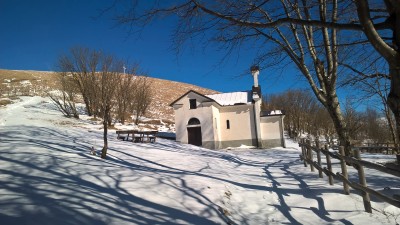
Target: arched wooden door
[194,132]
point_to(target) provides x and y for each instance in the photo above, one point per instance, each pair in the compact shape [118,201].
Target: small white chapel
[227,120]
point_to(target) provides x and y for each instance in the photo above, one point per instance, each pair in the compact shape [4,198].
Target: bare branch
[287,20]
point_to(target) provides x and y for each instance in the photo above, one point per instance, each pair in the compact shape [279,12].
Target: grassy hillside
[18,82]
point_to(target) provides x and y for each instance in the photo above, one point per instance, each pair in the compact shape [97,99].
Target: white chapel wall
[271,131]
[203,113]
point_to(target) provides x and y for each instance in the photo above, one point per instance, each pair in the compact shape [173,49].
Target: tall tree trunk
[109,120]
[87,104]
[391,126]
[394,95]
[105,124]
[339,123]
[390,53]
[137,119]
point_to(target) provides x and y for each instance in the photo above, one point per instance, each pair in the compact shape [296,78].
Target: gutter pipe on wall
[255,121]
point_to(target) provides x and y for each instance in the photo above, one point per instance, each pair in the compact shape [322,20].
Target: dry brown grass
[164,91]
[5,102]
[94,119]
[40,82]
[152,122]
[148,127]
[20,75]
[168,122]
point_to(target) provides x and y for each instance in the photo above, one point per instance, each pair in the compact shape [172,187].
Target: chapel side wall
[271,132]
[241,132]
[216,127]
[180,125]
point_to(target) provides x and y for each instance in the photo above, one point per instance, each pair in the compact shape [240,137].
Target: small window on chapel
[193,104]
[228,125]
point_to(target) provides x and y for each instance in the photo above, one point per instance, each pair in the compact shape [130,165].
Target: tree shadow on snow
[290,159]
[194,150]
[48,177]
[303,189]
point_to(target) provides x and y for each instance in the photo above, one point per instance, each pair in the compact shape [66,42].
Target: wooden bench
[152,136]
[138,136]
[119,132]
[137,139]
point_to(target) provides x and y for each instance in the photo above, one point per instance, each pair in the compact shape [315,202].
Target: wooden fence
[307,155]
[382,148]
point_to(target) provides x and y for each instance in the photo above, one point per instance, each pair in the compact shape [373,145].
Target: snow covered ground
[48,176]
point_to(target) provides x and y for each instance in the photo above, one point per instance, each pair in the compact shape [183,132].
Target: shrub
[5,102]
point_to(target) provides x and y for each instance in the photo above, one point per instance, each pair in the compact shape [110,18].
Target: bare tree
[354,120]
[142,97]
[66,95]
[388,49]
[374,85]
[301,110]
[96,76]
[379,87]
[109,75]
[125,95]
[82,63]
[303,114]
[3,89]
[376,128]
[325,124]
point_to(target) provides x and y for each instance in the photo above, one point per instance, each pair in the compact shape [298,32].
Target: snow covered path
[47,176]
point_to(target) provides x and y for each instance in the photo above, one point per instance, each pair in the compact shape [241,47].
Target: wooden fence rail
[306,155]
[383,148]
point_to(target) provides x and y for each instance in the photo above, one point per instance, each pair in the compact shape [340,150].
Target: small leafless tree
[96,76]
[3,89]
[300,109]
[376,128]
[325,124]
[82,64]
[354,120]
[109,75]
[374,85]
[66,95]
[379,87]
[303,114]
[125,95]
[142,97]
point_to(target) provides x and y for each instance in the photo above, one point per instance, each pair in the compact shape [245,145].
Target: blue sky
[35,33]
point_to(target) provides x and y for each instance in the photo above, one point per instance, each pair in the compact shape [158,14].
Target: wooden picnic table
[138,135]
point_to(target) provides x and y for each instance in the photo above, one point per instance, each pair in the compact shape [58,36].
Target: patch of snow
[232,98]
[25,83]
[242,147]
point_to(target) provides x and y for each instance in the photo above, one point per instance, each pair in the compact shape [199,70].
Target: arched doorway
[194,132]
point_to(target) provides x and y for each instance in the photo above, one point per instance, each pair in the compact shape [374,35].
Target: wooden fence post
[363,182]
[344,171]
[318,157]
[328,161]
[303,151]
[387,148]
[310,155]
